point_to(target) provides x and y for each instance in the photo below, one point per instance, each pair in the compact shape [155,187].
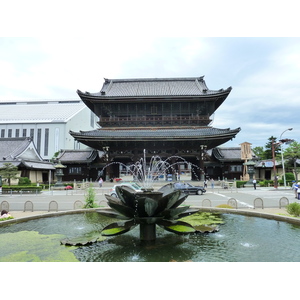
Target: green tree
[259,152]
[292,153]
[268,148]
[9,172]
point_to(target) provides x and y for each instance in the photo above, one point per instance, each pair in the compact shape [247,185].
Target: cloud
[264,73]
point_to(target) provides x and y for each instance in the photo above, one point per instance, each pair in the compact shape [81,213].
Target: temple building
[169,117]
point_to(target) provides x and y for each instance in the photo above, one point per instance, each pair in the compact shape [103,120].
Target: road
[243,198]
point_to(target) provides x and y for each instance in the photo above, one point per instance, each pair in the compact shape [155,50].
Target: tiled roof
[42,165]
[11,150]
[156,133]
[40,112]
[77,156]
[228,153]
[13,147]
[190,86]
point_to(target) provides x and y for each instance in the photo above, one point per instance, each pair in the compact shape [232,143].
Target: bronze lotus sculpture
[147,209]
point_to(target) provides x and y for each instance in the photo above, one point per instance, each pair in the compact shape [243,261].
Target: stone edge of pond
[251,213]
[46,215]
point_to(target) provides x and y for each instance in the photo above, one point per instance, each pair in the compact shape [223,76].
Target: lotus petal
[167,201]
[121,208]
[118,228]
[190,211]
[150,206]
[181,199]
[127,195]
[108,212]
[167,189]
[173,198]
[145,207]
[174,213]
[177,227]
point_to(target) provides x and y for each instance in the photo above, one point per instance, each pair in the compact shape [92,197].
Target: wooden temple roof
[154,89]
[210,136]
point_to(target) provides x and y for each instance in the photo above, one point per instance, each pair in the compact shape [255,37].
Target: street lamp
[282,161]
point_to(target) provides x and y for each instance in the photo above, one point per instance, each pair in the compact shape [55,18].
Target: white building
[47,122]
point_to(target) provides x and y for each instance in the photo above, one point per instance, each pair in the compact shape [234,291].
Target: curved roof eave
[171,134]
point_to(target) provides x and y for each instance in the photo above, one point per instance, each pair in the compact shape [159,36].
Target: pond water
[240,239]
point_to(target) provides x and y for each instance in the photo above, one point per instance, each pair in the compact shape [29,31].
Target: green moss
[203,218]
[8,218]
[224,206]
[181,228]
[112,231]
[25,246]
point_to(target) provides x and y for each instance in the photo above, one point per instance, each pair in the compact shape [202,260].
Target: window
[32,133]
[9,132]
[24,132]
[236,168]
[46,141]
[17,132]
[39,138]
[153,110]
[2,133]
[75,170]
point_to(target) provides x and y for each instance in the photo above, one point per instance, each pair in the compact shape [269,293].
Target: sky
[262,68]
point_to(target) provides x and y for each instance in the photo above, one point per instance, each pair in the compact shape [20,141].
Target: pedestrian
[100,182]
[205,183]
[212,182]
[295,187]
[298,191]
[254,183]
[4,214]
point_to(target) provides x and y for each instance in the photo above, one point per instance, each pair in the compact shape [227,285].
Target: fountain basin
[241,238]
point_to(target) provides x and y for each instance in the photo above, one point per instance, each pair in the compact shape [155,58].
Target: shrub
[240,184]
[90,198]
[293,209]
[289,176]
[224,206]
[24,181]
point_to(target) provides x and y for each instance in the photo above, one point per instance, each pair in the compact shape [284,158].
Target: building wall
[52,137]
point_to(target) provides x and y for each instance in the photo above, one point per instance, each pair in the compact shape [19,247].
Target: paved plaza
[266,199]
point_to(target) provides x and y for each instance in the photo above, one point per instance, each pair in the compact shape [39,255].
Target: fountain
[147,217]
[148,208]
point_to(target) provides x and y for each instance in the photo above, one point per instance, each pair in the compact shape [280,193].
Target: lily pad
[89,238]
[203,218]
[206,229]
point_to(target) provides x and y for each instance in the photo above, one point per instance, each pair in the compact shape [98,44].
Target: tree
[292,153]
[268,152]
[9,172]
[259,152]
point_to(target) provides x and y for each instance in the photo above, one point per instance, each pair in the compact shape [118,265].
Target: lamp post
[274,146]
[282,161]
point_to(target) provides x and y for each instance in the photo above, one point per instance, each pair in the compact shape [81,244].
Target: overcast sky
[264,72]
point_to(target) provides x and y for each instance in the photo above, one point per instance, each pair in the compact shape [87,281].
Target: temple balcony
[146,121]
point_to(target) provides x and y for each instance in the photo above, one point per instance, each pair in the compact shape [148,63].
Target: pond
[239,239]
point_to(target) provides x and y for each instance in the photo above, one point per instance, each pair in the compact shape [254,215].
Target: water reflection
[241,238]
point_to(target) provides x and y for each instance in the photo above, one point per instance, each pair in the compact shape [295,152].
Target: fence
[53,205]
